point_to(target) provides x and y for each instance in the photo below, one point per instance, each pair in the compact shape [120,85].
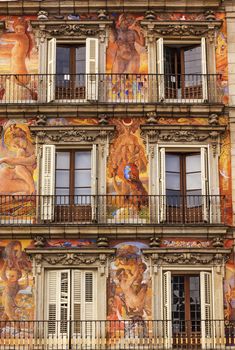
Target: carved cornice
[212,257]
[180,133]
[179,29]
[66,134]
[67,29]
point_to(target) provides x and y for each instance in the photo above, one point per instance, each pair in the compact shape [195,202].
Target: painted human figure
[17,176]
[126,34]
[23,45]
[12,287]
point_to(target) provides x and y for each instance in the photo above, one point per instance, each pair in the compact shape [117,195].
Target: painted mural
[129,290]
[127,60]
[16,287]
[18,173]
[127,171]
[229,286]
[18,56]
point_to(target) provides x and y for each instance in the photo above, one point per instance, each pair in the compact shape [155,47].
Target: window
[182,69]
[71,295]
[183,183]
[73,176]
[68,184]
[187,308]
[72,70]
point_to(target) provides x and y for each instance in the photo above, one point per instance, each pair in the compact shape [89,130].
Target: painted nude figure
[126,35]
[23,45]
[17,177]
[134,297]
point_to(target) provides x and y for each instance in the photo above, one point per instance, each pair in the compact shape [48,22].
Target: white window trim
[160,67]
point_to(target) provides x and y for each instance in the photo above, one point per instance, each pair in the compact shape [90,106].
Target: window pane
[62,60]
[80,59]
[193,60]
[172,162]
[62,160]
[62,196]
[193,163]
[82,196]
[173,181]
[83,160]
[82,178]
[62,178]
[193,181]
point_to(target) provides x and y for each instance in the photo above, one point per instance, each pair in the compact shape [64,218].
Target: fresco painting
[127,60]
[16,287]
[185,243]
[129,290]
[18,56]
[127,172]
[18,173]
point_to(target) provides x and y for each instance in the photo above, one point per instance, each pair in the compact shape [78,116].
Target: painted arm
[3,272]
[19,160]
[9,37]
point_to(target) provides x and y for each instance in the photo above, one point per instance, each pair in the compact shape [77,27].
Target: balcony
[112,210]
[117,335]
[111,89]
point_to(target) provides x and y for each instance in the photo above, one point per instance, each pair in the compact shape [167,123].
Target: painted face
[12,276]
[19,28]
[19,142]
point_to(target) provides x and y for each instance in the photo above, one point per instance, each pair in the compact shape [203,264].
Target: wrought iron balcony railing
[112,210]
[111,88]
[117,335]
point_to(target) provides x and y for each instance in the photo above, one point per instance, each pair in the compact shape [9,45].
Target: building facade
[116,167]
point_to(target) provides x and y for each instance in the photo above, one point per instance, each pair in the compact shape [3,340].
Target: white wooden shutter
[94,181]
[167,317]
[160,69]
[206,310]
[51,71]
[204,70]
[92,66]
[162,185]
[48,182]
[58,294]
[205,184]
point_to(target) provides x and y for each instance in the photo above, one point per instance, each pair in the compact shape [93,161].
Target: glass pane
[83,160]
[82,178]
[62,160]
[62,178]
[173,162]
[62,196]
[80,60]
[193,60]
[193,181]
[193,163]
[62,60]
[82,196]
[173,181]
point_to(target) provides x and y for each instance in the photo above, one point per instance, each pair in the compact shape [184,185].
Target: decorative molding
[179,29]
[181,133]
[213,257]
[69,29]
[66,135]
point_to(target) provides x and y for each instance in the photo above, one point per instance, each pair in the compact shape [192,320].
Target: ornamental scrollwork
[181,30]
[70,259]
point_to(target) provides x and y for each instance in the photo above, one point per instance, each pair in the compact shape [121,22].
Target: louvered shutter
[162,185]
[51,71]
[204,70]
[48,182]
[92,66]
[94,181]
[160,69]
[167,319]
[206,310]
[77,301]
[58,291]
[205,184]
